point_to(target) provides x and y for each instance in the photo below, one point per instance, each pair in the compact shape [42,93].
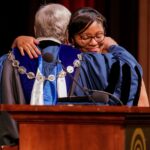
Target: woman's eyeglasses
[98,38]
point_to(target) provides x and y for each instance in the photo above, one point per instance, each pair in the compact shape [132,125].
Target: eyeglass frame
[89,38]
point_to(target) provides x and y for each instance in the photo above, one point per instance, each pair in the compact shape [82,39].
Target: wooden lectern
[81,127]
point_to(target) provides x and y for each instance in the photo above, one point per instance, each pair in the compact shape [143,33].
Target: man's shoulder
[69,48]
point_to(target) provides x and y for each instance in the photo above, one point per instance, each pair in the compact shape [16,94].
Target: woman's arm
[27,44]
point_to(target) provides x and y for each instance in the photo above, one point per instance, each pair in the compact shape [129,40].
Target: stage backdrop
[122,19]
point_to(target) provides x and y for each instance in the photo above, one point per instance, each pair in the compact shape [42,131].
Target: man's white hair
[52,20]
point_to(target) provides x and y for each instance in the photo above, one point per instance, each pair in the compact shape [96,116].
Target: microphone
[106,96]
[48,57]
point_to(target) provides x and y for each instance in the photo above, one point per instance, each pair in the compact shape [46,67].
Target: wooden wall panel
[144,40]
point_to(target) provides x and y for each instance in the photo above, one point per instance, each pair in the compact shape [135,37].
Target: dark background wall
[17,18]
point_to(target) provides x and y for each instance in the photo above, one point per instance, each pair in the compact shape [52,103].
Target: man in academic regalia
[37,81]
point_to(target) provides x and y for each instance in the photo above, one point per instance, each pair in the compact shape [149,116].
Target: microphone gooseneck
[76,82]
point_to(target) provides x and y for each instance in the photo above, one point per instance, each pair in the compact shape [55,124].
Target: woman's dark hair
[82,18]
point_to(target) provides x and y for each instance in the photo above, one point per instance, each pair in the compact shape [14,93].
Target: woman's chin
[94,50]
[97,50]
